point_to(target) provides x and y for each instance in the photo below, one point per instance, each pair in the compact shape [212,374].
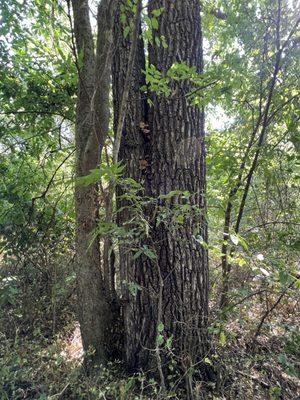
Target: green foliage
[107,173]
[8,290]
[37,110]
[151,24]
[38,83]
[292,341]
[144,250]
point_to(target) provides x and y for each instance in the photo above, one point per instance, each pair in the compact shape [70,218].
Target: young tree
[131,152]
[92,119]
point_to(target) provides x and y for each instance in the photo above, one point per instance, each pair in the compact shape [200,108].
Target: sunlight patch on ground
[73,350]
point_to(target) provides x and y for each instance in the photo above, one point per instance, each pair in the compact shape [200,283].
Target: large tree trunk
[178,163]
[92,118]
[174,290]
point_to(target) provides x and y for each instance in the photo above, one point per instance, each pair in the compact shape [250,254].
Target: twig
[57,395]
[273,223]
[254,378]
[41,196]
[263,120]
[124,100]
[237,303]
[268,312]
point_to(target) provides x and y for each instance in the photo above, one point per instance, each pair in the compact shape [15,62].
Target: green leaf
[157,12]
[93,177]
[159,340]
[169,342]
[133,288]
[137,254]
[164,42]
[179,219]
[157,41]
[123,18]
[160,327]
[154,23]
[222,338]
[146,252]
[207,361]
[126,31]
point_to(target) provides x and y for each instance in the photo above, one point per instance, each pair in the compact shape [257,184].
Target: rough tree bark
[92,119]
[178,163]
[132,146]
[168,156]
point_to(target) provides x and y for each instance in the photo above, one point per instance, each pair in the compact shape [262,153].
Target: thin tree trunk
[261,128]
[92,118]
[131,151]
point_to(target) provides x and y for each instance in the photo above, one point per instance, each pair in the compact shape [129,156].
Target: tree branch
[124,100]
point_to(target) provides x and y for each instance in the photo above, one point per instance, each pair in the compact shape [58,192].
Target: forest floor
[269,368]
